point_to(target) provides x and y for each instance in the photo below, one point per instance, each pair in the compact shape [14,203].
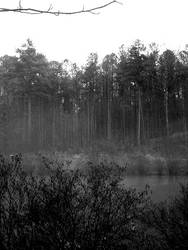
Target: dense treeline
[130,97]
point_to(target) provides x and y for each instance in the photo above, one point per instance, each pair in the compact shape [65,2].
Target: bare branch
[20,4]
[50,8]
[23,10]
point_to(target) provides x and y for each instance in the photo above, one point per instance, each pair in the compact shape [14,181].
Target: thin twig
[22,10]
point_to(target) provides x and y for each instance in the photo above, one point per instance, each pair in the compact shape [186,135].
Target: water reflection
[163,187]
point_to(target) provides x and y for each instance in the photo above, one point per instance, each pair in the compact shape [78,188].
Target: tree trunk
[29,125]
[41,133]
[53,125]
[139,118]
[109,121]
[88,121]
[24,125]
[142,119]
[184,115]
[166,109]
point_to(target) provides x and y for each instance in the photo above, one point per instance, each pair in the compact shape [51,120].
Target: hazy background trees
[127,98]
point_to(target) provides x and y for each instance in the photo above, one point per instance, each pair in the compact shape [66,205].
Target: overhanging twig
[23,10]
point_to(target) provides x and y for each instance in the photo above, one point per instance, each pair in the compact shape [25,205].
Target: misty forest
[128,98]
[73,138]
[94,157]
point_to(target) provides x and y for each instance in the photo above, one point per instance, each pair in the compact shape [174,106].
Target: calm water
[163,187]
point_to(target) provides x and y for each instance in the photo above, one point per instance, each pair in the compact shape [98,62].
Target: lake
[163,187]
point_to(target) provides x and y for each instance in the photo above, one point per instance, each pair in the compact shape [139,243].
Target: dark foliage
[75,210]
[169,222]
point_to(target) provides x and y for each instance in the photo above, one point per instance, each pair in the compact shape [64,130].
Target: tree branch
[21,9]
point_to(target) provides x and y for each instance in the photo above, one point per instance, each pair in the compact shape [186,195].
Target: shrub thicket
[169,222]
[83,210]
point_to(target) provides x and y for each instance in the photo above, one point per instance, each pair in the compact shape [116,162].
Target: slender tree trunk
[92,120]
[166,109]
[29,125]
[24,134]
[61,128]
[109,121]
[123,123]
[142,119]
[88,121]
[139,118]
[184,115]
[53,125]
[40,123]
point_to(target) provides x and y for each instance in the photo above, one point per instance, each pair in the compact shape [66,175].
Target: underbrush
[66,209]
[168,224]
[72,209]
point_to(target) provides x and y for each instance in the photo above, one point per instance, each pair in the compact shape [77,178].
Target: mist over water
[162,187]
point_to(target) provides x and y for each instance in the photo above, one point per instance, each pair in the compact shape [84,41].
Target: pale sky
[74,37]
